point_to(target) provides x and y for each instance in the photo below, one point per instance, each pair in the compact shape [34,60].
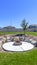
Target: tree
[24,25]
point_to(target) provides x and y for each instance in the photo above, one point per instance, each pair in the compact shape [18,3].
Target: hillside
[10,29]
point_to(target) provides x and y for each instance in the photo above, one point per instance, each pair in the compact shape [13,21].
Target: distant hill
[31,28]
[10,29]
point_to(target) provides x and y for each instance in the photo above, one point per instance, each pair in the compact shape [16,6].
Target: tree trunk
[24,34]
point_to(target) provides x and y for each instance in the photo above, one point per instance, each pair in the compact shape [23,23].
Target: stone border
[34,38]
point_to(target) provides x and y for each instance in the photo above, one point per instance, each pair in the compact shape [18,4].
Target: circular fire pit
[9,46]
[17,41]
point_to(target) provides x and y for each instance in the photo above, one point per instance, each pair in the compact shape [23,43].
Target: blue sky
[12,12]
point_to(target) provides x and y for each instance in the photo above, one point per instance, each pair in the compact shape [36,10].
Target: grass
[3,33]
[32,33]
[29,33]
[19,58]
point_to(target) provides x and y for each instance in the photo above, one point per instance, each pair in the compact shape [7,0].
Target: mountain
[10,29]
[32,28]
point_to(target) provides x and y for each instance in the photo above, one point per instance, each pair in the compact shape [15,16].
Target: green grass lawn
[29,33]
[3,33]
[19,58]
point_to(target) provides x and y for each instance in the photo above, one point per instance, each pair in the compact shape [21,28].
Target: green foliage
[24,24]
